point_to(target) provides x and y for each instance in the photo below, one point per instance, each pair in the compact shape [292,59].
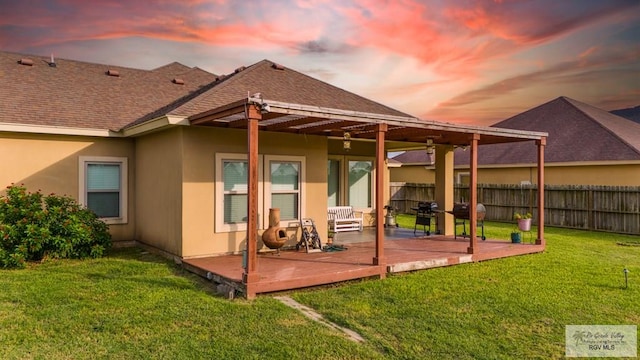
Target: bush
[33,226]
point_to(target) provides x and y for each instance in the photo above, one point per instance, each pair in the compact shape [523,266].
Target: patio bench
[344,218]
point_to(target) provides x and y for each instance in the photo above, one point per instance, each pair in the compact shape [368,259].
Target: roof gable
[172,68]
[278,83]
[577,132]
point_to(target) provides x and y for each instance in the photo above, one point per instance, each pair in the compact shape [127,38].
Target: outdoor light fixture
[346,141]
[259,101]
[430,148]
[265,108]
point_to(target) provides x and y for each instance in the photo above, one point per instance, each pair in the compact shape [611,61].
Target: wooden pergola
[395,132]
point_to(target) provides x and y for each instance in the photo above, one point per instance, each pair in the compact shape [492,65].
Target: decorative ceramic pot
[274,237]
[524,224]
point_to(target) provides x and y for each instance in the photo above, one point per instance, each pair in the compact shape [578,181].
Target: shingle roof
[578,132]
[280,84]
[81,95]
[414,157]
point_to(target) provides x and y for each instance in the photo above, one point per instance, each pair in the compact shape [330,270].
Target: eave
[154,125]
[57,130]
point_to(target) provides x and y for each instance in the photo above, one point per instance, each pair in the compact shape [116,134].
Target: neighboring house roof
[77,94]
[632,114]
[414,157]
[578,132]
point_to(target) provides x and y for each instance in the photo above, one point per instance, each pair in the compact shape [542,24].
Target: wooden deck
[403,251]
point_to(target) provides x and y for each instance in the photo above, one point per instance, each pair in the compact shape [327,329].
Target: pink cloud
[221,24]
[459,38]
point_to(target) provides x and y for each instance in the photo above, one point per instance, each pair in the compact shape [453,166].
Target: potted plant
[515,237]
[524,221]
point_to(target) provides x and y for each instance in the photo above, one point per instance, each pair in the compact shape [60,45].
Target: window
[333,183]
[463,178]
[235,173]
[350,181]
[285,188]
[280,185]
[232,191]
[360,180]
[103,187]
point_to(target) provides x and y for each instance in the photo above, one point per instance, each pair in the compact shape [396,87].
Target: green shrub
[33,226]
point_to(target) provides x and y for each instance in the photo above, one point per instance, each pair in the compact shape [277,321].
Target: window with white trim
[235,174]
[103,187]
[280,185]
[350,181]
[285,182]
[463,178]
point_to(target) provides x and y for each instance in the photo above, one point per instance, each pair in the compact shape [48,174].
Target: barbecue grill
[461,215]
[425,215]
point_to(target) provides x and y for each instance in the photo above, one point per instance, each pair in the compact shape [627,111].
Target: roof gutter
[155,125]
[57,130]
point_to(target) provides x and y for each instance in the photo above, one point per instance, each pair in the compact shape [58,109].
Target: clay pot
[274,237]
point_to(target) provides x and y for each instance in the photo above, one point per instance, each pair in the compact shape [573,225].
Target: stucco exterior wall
[158,190]
[611,175]
[200,146]
[413,174]
[50,163]
[600,174]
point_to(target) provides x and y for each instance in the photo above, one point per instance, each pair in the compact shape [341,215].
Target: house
[586,146]
[189,163]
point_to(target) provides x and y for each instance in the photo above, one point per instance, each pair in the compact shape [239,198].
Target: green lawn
[132,305]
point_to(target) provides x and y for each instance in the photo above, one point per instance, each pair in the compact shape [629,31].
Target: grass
[134,305]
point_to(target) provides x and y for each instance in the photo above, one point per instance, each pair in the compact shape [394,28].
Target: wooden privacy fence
[598,208]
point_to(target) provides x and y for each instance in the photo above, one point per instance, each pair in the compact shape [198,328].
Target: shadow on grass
[139,266]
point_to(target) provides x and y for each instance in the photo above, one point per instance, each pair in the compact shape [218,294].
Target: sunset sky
[458,61]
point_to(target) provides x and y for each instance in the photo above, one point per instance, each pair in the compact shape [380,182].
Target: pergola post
[473,194]
[541,145]
[379,259]
[250,275]
[444,191]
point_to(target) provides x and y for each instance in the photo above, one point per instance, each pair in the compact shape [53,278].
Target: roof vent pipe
[113,73]
[52,63]
[25,61]
[178,81]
